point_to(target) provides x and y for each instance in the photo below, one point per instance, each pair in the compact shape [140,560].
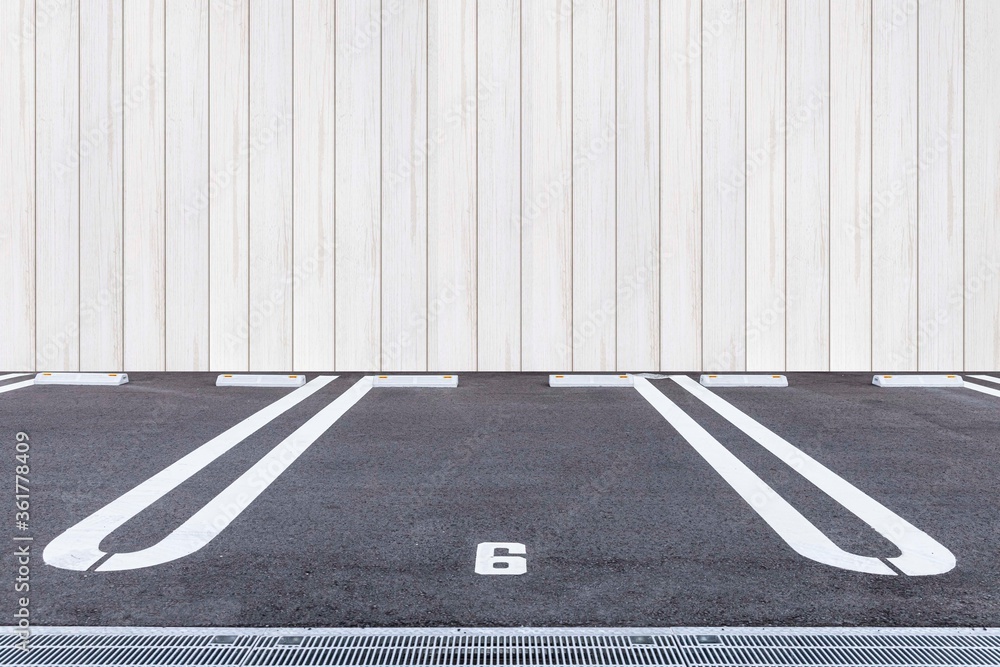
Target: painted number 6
[488,562]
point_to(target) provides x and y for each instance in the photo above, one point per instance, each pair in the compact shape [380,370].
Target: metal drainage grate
[705,647]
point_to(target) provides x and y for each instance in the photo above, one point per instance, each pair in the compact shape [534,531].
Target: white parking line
[11,376]
[16,385]
[980,388]
[79,547]
[921,554]
[214,517]
[797,531]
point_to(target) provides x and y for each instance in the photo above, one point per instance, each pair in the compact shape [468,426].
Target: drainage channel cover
[702,647]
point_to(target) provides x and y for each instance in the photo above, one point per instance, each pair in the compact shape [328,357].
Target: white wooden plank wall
[724,185]
[228,188]
[982,185]
[271,233]
[187,179]
[807,194]
[638,195]
[893,222]
[101,182]
[57,187]
[851,180]
[681,47]
[404,189]
[17,176]
[595,135]
[765,183]
[314,149]
[500,185]
[940,214]
[358,177]
[451,215]
[546,185]
[144,237]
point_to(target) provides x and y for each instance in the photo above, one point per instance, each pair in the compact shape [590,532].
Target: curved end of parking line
[66,553]
[935,560]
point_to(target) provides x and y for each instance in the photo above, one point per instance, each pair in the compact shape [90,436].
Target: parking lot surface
[380,520]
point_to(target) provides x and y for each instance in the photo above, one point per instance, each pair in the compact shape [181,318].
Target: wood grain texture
[724,187]
[893,221]
[229,189]
[765,178]
[638,246]
[17,187]
[187,179]
[57,173]
[851,180]
[358,185]
[313,320]
[451,203]
[941,214]
[144,187]
[404,189]
[982,185]
[595,178]
[101,118]
[271,234]
[498,191]
[547,195]
[808,186]
[681,185]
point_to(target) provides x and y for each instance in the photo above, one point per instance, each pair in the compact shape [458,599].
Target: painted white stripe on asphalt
[921,554]
[79,547]
[980,388]
[796,530]
[214,517]
[11,376]
[16,385]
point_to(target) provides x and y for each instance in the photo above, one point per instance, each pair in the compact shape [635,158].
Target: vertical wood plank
[314,150]
[17,186]
[724,161]
[940,209]
[808,186]
[358,185]
[638,169]
[765,176]
[499,186]
[58,188]
[982,186]
[893,221]
[144,190]
[101,165]
[850,185]
[681,191]
[187,179]
[271,76]
[229,191]
[451,217]
[595,126]
[547,199]
[404,188]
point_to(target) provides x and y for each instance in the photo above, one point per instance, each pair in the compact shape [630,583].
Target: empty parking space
[412,506]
